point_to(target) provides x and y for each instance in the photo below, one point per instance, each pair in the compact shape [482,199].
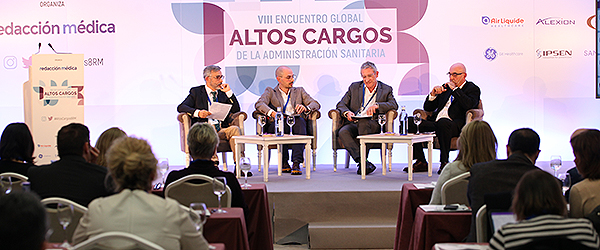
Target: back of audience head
[538,193]
[17,143]
[105,140]
[526,141]
[131,164]
[23,221]
[586,148]
[202,141]
[72,139]
[477,143]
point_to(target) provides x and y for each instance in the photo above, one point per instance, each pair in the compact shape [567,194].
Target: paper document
[440,208]
[219,111]
[424,185]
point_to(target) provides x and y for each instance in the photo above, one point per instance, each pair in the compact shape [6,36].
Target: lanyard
[286,102]
[365,93]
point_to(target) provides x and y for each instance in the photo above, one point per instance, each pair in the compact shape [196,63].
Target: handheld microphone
[39,47]
[50,45]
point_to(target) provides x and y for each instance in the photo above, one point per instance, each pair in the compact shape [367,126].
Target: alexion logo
[502,22]
[555,21]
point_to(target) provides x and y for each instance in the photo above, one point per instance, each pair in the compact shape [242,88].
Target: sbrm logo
[553,53]
[490,54]
[555,21]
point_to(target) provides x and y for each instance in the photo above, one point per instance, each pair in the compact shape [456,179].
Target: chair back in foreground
[58,234]
[117,240]
[196,188]
[481,224]
[15,181]
[454,191]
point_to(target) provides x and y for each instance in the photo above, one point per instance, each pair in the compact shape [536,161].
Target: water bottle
[403,121]
[279,122]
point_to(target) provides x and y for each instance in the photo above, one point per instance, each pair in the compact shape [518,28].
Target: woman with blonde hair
[134,209]
[477,143]
[104,142]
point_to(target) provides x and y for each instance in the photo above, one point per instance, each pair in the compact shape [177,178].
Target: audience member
[292,101]
[501,176]
[202,143]
[134,209]
[541,214]
[105,141]
[449,103]
[584,195]
[368,97]
[23,222]
[72,177]
[16,149]
[477,143]
[573,173]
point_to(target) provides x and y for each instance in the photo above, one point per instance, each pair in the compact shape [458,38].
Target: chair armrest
[312,128]
[185,122]
[424,114]
[336,119]
[390,116]
[238,120]
[474,114]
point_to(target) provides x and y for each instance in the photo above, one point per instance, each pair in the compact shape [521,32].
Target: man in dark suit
[449,103]
[73,176]
[198,102]
[501,176]
[202,143]
[368,97]
[293,101]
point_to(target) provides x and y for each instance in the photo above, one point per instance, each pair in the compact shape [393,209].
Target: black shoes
[296,169]
[369,168]
[419,166]
[442,165]
[286,168]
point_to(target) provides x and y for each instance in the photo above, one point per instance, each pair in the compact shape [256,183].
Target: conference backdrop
[534,60]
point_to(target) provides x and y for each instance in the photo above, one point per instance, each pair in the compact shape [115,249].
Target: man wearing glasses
[197,104]
[449,104]
[293,101]
[360,106]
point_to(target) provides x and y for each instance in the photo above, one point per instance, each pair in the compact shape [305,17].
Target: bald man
[449,104]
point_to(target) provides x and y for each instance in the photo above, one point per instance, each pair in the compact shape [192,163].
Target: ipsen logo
[554,53]
[555,21]
[502,22]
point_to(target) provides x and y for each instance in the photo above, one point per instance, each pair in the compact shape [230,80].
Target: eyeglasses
[218,77]
[454,74]
[290,77]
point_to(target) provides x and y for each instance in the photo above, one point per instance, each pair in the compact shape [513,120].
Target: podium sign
[53,98]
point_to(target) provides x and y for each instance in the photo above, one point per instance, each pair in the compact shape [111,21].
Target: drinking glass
[417,120]
[262,121]
[163,167]
[200,214]
[565,178]
[245,167]
[555,163]
[219,187]
[6,184]
[381,120]
[64,213]
[290,120]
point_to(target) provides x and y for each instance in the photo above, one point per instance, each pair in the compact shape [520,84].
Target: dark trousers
[444,130]
[299,128]
[350,131]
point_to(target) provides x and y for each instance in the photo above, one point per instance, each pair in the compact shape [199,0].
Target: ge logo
[490,54]
[485,20]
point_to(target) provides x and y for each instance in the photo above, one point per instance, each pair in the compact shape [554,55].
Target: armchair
[311,129]
[185,122]
[472,114]
[337,122]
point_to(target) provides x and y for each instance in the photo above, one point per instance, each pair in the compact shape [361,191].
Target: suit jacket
[465,98]
[138,212]
[352,100]
[71,177]
[198,99]
[15,167]
[271,99]
[208,168]
[495,176]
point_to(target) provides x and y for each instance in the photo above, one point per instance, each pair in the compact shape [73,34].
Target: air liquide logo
[52,94]
[501,22]
[555,21]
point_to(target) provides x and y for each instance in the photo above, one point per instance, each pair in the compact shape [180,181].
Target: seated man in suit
[501,176]
[72,177]
[368,97]
[449,103]
[202,143]
[198,102]
[292,101]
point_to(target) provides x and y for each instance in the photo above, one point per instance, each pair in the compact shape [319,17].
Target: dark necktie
[214,99]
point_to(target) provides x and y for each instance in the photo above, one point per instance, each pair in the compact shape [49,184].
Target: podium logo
[10,62]
[51,95]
